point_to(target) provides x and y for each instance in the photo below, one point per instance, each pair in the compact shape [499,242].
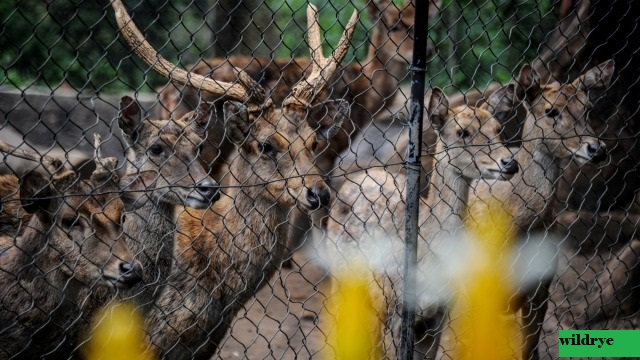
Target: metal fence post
[418,73]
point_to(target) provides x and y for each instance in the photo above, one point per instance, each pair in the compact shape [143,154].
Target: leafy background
[74,43]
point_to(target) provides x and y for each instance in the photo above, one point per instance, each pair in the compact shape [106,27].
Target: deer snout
[130,273]
[209,190]
[597,152]
[509,165]
[318,195]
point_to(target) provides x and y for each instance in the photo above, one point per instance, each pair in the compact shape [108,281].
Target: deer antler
[105,167]
[323,68]
[165,68]
[52,165]
[247,90]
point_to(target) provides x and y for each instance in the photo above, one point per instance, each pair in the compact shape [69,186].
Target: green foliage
[291,18]
[479,41]
[75,42]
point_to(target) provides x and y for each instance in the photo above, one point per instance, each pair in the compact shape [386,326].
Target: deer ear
[199,118]
[502,103]
[134,188]
[438,110]
[236,117]
[327,118]
[528,83]
[35,193]
[129,118]
[598,77]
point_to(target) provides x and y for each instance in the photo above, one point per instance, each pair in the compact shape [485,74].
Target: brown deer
[468,147]
[593,289]
[226,253]
[370,84]
[556,128]
[73,242]
[162,160]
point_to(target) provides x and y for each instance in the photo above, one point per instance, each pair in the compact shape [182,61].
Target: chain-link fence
[232,200]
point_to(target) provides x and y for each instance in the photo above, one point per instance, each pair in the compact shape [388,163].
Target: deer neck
[539,170]
[447,199]
[259,216]
[36,264]
[151,234]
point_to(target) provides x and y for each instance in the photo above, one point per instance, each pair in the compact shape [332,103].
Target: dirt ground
[284,320]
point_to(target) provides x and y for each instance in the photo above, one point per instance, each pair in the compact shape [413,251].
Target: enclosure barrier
[238,170]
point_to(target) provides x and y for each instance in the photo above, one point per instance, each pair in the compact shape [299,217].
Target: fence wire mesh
[229,211]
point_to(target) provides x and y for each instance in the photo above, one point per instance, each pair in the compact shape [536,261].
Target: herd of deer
[191,254]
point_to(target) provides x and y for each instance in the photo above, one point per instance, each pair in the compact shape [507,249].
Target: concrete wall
[61,124]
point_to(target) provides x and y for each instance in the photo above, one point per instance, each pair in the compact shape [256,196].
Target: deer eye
[463,134]
[69,222]
[314,146]
[267,149]
[552,113]
[156,150]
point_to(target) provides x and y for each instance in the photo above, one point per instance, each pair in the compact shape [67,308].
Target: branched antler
[105,167]
[247,90]
[165,68]
[304,92]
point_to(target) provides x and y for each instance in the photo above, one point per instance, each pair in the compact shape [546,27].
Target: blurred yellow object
[117,333]
[484,329]
[356,327]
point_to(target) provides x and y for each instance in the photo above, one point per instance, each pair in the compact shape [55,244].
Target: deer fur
[71,244]
[468,147]
[556,128]
[162,160]
[225,254]
[370,84]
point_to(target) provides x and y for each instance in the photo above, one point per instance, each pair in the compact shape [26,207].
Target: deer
[556,128]
[584,296]
[370,84]
[226,253]
[162,175]
[162,168]
[72,240]
[468,147]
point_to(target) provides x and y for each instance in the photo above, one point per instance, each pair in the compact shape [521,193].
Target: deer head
[275,144]
[559,112]
[162,158]
[471,140]
[81,219]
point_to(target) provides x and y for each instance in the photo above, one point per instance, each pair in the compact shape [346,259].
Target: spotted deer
[556,128]
[468,147]
[226,253]
[72,241]
[161,160]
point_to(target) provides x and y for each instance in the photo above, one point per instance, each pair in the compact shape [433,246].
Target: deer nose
[509,165]
[208,189]
[130,273]
[597,152]
[318,196]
